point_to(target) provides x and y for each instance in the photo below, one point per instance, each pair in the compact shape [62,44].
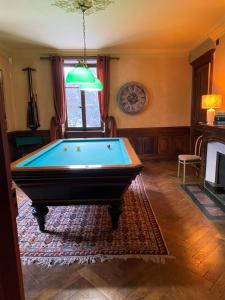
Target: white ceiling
[126,24]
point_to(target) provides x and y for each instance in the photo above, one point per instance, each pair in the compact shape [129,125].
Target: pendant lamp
[80,73]
[95,86]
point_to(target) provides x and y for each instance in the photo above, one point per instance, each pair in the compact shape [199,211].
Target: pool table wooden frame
[76,185]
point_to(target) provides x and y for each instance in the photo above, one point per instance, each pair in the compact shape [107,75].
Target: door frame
[11,280]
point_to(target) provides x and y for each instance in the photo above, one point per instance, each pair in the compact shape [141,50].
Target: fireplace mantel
[211,133]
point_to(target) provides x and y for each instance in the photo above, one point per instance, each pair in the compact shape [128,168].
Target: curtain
[58,81]
[103,74]
[110,127]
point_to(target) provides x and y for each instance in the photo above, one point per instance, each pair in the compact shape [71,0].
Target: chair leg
[178,169]
[184,171]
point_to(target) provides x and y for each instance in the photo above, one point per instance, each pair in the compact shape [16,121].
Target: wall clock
[132,97]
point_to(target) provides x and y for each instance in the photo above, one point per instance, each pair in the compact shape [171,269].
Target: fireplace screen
[220,169]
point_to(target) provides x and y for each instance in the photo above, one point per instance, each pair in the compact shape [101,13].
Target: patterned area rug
[84,234]
[202,199]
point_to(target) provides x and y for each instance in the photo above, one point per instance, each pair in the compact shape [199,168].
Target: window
[83,112]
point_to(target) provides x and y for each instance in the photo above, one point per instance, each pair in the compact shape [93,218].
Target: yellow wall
[167,80]
[219,71]
[8,91]
[42,86]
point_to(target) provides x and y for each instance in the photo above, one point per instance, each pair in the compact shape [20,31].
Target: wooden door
[11,284]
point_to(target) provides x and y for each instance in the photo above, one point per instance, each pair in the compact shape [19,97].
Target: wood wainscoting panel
[143,144]
[164,145]
[14,151]
[158,142]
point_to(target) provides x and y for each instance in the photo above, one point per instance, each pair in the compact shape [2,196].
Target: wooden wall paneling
[143,145]
[14,153]
[152,142]
[83,134]
[165,145]
[180,144]
[147,143]
[158,142]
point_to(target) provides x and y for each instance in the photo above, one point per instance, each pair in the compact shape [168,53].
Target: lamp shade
[211,101]
[80,74]
[96,86]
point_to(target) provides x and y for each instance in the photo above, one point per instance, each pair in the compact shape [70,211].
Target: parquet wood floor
[197,273]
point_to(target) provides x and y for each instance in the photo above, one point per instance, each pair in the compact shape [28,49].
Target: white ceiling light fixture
[89,5]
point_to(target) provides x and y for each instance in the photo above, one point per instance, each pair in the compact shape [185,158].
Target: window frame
[83,107]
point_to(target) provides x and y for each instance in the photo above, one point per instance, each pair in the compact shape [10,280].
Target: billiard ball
[109,146]
[65,147]
[78,148]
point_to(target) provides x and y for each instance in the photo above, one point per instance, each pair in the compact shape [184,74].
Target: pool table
[77,172]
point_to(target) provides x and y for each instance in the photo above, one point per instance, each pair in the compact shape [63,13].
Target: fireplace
[215,171]
[220,171]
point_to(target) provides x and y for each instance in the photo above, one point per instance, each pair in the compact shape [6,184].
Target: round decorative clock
[132,97]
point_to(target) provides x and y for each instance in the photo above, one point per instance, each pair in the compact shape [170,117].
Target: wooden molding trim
[203,59]
[149,131]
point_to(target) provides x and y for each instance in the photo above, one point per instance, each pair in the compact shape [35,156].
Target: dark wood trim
[204,59]
[149,131]
[11,282]
[83,134]
[202,78]
[158,142]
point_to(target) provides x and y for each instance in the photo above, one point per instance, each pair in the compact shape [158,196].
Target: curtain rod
[72,57]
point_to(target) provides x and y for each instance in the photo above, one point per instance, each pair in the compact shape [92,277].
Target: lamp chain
[84,35]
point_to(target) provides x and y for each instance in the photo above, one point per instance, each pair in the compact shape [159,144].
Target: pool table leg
[115,210]
[39,212]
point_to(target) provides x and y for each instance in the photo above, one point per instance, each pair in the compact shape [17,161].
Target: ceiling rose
[89,6]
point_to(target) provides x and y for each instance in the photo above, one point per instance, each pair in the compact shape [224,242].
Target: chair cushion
[189,157]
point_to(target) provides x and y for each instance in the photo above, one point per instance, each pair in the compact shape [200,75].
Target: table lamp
[210,102]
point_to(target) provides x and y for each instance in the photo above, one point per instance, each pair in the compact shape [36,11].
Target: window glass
[74,109]
[82,106]
[92,109]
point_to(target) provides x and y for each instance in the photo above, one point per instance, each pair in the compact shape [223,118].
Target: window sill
[84,131]
[84,134]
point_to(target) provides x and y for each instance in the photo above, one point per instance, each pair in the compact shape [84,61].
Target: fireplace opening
[220,172]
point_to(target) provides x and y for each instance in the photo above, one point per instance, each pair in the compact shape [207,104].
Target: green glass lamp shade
[95,86]
[80,74]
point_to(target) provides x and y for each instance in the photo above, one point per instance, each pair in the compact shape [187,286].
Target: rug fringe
[66,261]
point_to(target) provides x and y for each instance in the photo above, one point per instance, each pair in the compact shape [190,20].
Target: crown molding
[147,52]
[218,30]
[31,52]
[4,51]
